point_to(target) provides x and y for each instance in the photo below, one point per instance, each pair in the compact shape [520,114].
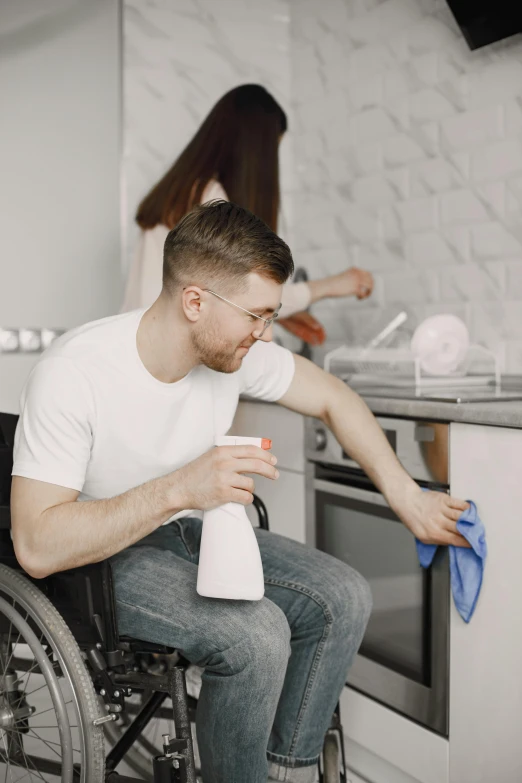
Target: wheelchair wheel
[47,701]
[331,759]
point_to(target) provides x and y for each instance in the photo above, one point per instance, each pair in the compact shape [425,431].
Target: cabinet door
[486,654]
[285,502]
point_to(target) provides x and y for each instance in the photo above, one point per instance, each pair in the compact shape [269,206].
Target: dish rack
[400,367]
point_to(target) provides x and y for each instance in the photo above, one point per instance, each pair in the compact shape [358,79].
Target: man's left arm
[430,516]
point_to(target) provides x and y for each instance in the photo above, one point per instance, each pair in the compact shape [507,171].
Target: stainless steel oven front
[403,661]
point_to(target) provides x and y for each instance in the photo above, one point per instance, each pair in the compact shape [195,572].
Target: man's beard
[217,353]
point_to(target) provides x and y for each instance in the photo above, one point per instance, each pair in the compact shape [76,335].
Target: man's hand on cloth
[431,516]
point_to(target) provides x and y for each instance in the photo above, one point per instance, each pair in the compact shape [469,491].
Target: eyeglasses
[267,321]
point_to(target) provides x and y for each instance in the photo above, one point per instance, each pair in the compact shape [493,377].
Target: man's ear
[192,303]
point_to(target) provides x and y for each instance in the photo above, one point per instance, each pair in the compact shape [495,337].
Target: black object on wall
[484,21]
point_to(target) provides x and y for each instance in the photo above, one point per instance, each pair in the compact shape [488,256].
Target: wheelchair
[76,698]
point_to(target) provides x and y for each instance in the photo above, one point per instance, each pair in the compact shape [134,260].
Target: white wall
[60,164]
[409,163]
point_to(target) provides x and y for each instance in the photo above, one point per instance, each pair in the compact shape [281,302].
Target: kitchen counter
[497,414]
[507,413]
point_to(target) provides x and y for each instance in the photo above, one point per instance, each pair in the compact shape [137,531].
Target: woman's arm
[351,282]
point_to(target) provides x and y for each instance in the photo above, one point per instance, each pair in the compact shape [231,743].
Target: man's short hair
[220,244]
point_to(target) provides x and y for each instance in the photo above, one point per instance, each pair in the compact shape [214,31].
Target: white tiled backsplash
[404,154]
[408,150]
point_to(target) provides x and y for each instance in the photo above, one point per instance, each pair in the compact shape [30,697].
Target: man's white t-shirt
[95,420]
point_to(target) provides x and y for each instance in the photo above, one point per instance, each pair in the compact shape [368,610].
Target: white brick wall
[461,206]
[409,148]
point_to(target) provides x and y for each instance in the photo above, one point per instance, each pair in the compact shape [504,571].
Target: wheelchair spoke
[23,694]
[26,773]
[46,742]
[30,671]
[51,727]
[34,735]
[8,766]
[9,636]
[28,759]
[30,693]
[14,644]
[49,743]
[50,709]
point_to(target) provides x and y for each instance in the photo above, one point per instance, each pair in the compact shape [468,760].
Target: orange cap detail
[266,444]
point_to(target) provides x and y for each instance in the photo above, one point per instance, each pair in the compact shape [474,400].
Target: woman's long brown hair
[237,145]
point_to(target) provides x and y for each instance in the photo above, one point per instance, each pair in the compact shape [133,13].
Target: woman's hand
[356,282]
[352,282]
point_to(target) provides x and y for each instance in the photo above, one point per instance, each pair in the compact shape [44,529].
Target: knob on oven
[320,440]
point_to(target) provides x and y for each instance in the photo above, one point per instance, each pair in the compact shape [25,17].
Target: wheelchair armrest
[85,598]
[262,513]
[8,423]
[5,518]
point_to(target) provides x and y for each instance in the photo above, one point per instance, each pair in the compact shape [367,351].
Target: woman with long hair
[234,156]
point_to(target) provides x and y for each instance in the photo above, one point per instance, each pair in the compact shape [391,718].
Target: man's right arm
[53,531]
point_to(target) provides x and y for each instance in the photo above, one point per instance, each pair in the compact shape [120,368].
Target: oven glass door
[372,540]
[405,645]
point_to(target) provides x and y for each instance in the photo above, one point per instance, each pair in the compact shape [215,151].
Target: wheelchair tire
[41,635]
[331,759]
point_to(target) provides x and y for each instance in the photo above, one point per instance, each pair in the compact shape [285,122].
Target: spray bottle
[229,559]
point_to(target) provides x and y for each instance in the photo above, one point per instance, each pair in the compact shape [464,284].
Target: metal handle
[346,491]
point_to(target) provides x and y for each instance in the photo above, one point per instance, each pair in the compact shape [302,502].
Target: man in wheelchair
[122,414]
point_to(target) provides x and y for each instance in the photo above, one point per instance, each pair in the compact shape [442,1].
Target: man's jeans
[273,669]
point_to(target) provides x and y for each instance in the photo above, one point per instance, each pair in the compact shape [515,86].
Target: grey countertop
[497,414]
[501,413]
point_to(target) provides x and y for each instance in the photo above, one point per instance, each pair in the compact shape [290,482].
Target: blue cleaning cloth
[466,565]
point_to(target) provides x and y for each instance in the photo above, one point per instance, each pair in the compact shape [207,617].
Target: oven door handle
[347,491]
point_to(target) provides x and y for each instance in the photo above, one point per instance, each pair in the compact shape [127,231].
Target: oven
[403,662]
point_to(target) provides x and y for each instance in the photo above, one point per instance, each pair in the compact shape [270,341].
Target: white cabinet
[284,498]
[486,654]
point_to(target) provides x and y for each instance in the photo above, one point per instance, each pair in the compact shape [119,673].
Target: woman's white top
[145,277]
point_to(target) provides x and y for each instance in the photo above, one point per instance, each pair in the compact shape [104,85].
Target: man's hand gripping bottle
[229,560]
